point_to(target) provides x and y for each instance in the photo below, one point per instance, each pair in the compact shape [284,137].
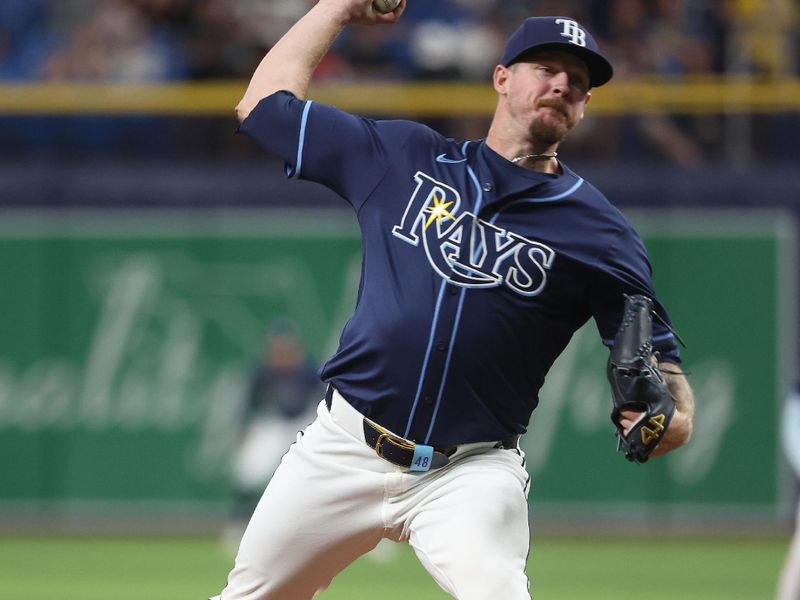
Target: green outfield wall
[126,340]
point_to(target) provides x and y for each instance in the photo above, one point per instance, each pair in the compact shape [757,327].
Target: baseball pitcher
[480,260]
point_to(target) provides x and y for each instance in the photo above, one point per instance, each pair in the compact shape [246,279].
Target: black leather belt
[405,453]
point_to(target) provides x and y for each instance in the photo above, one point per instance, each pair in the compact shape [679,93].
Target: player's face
[547,93]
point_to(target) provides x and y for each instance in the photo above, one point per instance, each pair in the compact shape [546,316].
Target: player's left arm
[680,427]
[631,269]
[679,430]
[652,403]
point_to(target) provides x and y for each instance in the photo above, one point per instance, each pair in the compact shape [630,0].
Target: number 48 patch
[423,455]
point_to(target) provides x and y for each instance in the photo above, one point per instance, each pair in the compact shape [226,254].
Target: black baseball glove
[636,382]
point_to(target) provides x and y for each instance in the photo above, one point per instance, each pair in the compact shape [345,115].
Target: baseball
[385,6]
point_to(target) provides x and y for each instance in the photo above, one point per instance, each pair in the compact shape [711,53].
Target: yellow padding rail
[705,95]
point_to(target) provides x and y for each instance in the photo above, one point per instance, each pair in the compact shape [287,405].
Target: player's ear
[500,79]
[585,102]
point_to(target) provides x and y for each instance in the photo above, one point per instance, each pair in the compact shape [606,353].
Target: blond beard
[549,132]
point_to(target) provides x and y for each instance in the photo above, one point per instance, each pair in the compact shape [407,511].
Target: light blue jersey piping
[301,142]
[578,184]
[427,356]
[457,321]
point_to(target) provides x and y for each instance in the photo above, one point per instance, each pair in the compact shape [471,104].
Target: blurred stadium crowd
[161,40]
[153,41]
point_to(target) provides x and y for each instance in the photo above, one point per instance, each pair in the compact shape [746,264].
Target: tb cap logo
[572,31]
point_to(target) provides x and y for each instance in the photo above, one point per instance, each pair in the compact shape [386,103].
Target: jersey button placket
[433,385]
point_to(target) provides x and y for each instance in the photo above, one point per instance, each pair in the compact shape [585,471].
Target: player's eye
[579,85]
[543,72]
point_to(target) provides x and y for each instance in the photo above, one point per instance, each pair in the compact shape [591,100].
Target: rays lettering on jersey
[468,251]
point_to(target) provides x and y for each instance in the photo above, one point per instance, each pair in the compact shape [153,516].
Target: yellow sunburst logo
[438,212]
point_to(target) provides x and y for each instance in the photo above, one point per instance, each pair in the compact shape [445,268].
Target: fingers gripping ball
[385,6]
[637,384]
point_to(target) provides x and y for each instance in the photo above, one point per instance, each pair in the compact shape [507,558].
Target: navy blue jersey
[475,275]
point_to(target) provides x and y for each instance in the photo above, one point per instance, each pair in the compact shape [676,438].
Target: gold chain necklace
[516,159]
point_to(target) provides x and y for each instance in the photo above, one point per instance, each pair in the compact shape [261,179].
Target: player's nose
[560,83]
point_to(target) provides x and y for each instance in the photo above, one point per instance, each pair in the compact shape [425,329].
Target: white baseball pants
[332,499]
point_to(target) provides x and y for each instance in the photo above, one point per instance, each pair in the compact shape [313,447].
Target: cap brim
[600,70]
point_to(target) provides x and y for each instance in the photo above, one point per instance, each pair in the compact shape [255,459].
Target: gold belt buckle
[379,444]
[392,439]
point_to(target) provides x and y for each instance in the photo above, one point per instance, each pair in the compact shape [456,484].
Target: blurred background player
[789,582]
[283,389]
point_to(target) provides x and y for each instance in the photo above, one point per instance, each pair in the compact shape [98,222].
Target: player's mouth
[555,105]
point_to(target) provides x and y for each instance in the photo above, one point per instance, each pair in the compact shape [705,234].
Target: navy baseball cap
[563,34]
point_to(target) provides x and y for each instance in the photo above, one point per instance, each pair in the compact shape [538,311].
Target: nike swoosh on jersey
[442,158]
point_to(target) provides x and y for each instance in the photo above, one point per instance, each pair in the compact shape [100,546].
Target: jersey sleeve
[624,268]
[320,143]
